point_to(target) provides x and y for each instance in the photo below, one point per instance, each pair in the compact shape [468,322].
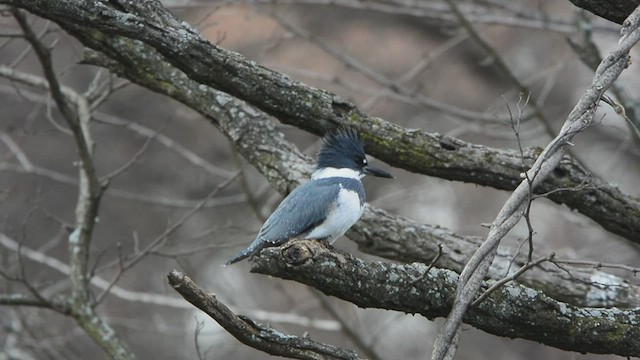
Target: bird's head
[342,154]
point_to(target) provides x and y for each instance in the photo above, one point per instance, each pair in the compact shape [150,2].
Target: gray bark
[511,311]
[613,10]
[378,232]
[317,110]
[175,61]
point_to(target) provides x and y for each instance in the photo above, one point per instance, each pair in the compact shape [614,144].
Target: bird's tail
[252,249]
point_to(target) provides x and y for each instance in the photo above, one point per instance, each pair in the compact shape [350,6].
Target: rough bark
[613,10]
[378,232]
[511,311]
[317,110]
[258,140]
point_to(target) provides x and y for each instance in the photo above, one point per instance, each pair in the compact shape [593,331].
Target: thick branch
[317,111]
[613,10]
[511,311]
[397,238]
[378,232]
[241,124]
[251,333]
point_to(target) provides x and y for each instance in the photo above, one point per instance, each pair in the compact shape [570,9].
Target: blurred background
[411,65]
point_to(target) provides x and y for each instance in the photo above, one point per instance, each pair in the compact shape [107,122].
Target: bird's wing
[305,208]
[302,210]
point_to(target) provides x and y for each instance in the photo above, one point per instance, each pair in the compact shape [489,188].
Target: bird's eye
[364,161]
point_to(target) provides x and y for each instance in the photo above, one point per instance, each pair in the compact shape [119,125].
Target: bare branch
[24,300]
[23,159]
[76,98]
[100,283]
[124,167]
[501,64]
[390,86]
[251,333]
[125,194]
[318,111]
[148,298]
[113,20]
[377,232]
[160,239]
[512,310]
[90,190]
[589,54]
[87,206]
[580,118]
[614,10]
[598,265]
[437,12]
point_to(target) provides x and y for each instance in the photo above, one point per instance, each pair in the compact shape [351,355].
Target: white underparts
[347,210]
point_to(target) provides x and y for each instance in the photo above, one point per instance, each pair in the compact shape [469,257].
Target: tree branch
[377,232]
[25,300]
[491,13]
[613,10]
[147,298]
[578,120]
[273,155]
[511,311]
[317,111]
[87,206]
[589,54]
[250,332]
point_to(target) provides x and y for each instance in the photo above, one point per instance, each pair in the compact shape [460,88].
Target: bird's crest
[341,148]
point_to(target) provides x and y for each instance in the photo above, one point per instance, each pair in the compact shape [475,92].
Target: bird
[327,205]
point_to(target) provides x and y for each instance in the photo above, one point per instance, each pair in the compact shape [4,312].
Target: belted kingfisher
[326,206]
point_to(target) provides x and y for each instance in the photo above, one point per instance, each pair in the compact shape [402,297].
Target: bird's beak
[370,170]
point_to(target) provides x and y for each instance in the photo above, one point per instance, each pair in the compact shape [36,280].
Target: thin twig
[116,278]
[437,12]
[431,264]
[129,163]
[598,265]
[160,239]
[479,39]
[620,110]
[196,335]
[515,126]
[125,194]
[391,86]
[76,98]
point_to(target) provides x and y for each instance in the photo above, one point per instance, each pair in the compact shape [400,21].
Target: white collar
[336,172]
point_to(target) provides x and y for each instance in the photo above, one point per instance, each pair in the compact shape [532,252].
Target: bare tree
[120,237]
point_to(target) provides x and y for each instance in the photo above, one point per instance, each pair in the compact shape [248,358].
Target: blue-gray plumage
[326,206]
